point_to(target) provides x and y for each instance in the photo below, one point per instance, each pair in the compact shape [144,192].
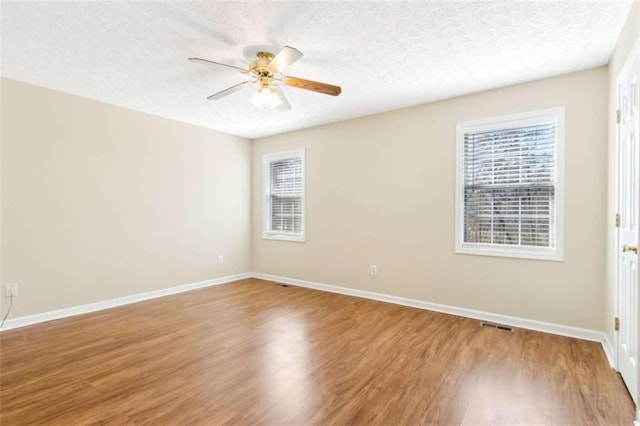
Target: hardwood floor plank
[254,352]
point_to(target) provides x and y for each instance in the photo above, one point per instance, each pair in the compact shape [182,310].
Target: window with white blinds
[509,185]
[283,176]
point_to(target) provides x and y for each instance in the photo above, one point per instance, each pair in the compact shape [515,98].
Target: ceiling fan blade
[229,91]
[314,86]
[285,105]
[208,62]
[283,60]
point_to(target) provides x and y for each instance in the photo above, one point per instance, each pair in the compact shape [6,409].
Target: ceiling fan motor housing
[259,68]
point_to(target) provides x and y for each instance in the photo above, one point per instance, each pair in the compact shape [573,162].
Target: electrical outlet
[220,260]
[374,270]
[11,289]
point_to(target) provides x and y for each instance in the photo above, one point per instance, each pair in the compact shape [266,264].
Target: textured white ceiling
[385,55]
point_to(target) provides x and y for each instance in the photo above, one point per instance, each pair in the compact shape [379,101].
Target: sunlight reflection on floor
[286,367]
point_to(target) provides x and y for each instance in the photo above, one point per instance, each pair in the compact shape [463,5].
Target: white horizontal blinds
[285,195]
[509,186]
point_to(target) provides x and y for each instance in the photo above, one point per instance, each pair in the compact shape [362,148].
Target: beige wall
[101,202]
[380,190]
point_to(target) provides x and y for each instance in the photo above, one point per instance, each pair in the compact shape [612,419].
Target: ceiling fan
[268,71]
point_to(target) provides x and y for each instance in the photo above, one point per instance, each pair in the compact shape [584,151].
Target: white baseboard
[546,327]
[120,301]
[608,351]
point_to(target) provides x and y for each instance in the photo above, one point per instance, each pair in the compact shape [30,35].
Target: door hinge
[617,220]
[616,324]
[617,116]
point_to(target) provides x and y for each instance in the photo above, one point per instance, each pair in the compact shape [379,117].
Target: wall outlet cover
[11,289]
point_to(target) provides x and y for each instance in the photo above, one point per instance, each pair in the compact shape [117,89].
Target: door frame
[633,53]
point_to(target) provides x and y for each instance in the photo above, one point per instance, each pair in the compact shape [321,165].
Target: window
[283,177]
[509,185]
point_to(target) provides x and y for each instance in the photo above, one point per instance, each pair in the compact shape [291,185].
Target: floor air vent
[496,326]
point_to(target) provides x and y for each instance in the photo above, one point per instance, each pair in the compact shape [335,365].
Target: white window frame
[504,122]
[267,233]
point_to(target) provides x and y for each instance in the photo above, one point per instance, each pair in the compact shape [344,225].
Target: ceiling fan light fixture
[268,70]
[266,98]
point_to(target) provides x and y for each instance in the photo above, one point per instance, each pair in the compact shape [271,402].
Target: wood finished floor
[256,353]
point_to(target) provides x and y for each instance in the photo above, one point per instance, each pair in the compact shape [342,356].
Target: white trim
[546,327]
[562,330]
[615,347]
[283,236]
[503,122]
[616,233]
[267,159]
[120,301]
[608,351]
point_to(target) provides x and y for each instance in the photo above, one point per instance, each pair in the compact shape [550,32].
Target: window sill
[549,255]
[284,237]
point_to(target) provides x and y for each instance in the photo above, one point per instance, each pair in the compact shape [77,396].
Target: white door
[628,156]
